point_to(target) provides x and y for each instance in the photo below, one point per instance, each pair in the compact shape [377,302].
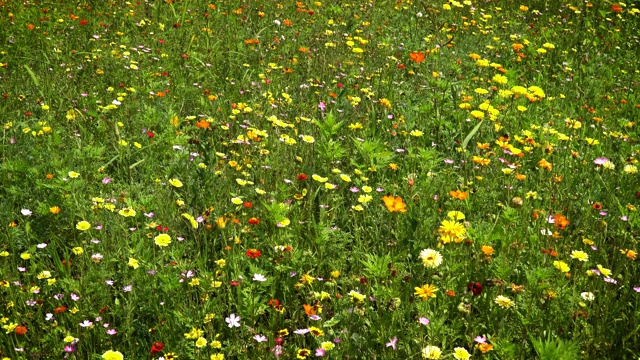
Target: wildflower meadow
[393,179]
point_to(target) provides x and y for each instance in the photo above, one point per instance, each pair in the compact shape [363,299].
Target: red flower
[150,134]
[247,204]
[254,221]
[616,8]
[83,22]
[253,253]
[21,330]
[476,288]
[302,177]
[60,309]
[156,347]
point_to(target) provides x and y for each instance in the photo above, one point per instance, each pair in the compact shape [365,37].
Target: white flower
[259,277]
[233,320]
[588,296]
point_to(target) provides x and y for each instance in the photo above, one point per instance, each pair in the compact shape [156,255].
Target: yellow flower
[201,342]
[25,256]
[477,114]
[83,225]
[426,291]
[176,183]
[216,345]
[127,212]
[112,355]
[455,215]
[579,255]
[504,301]
[78,250]
[217,356]
[163,240]
[133,263]
[604,271]
[327,345]
[431,352]
[194,334]
[73,174]
[562,266]
[319,178]
[69,339]
[452,229]
[461,353]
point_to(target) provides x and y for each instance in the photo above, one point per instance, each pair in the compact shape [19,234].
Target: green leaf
[471,134]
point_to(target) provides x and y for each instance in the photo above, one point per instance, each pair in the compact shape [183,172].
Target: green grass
[299,158]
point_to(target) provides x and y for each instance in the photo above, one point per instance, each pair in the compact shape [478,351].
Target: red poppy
[616,8]
[21,330]
[156,347]
[597,206]
[253,253]
[150,134]
[83,22]
[302,177]
[60,309]
[475,287]
[254,221]
[247,204]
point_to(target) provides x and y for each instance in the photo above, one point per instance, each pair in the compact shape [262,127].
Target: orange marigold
[417,56]
[457,194]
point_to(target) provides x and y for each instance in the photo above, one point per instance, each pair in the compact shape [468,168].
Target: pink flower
[392,342]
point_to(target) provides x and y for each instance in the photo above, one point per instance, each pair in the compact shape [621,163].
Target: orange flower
[30,26]
[287,22]
[487,250]
[616,8]
[252,42]
[450,293]
[480,160]
[545,165]
[597,206]
[203,124]
[21,330]
[417,56]
[460,195]
[484,347]
[54,210]
[517,47]
[560,222]
[394,204]
[309,309]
